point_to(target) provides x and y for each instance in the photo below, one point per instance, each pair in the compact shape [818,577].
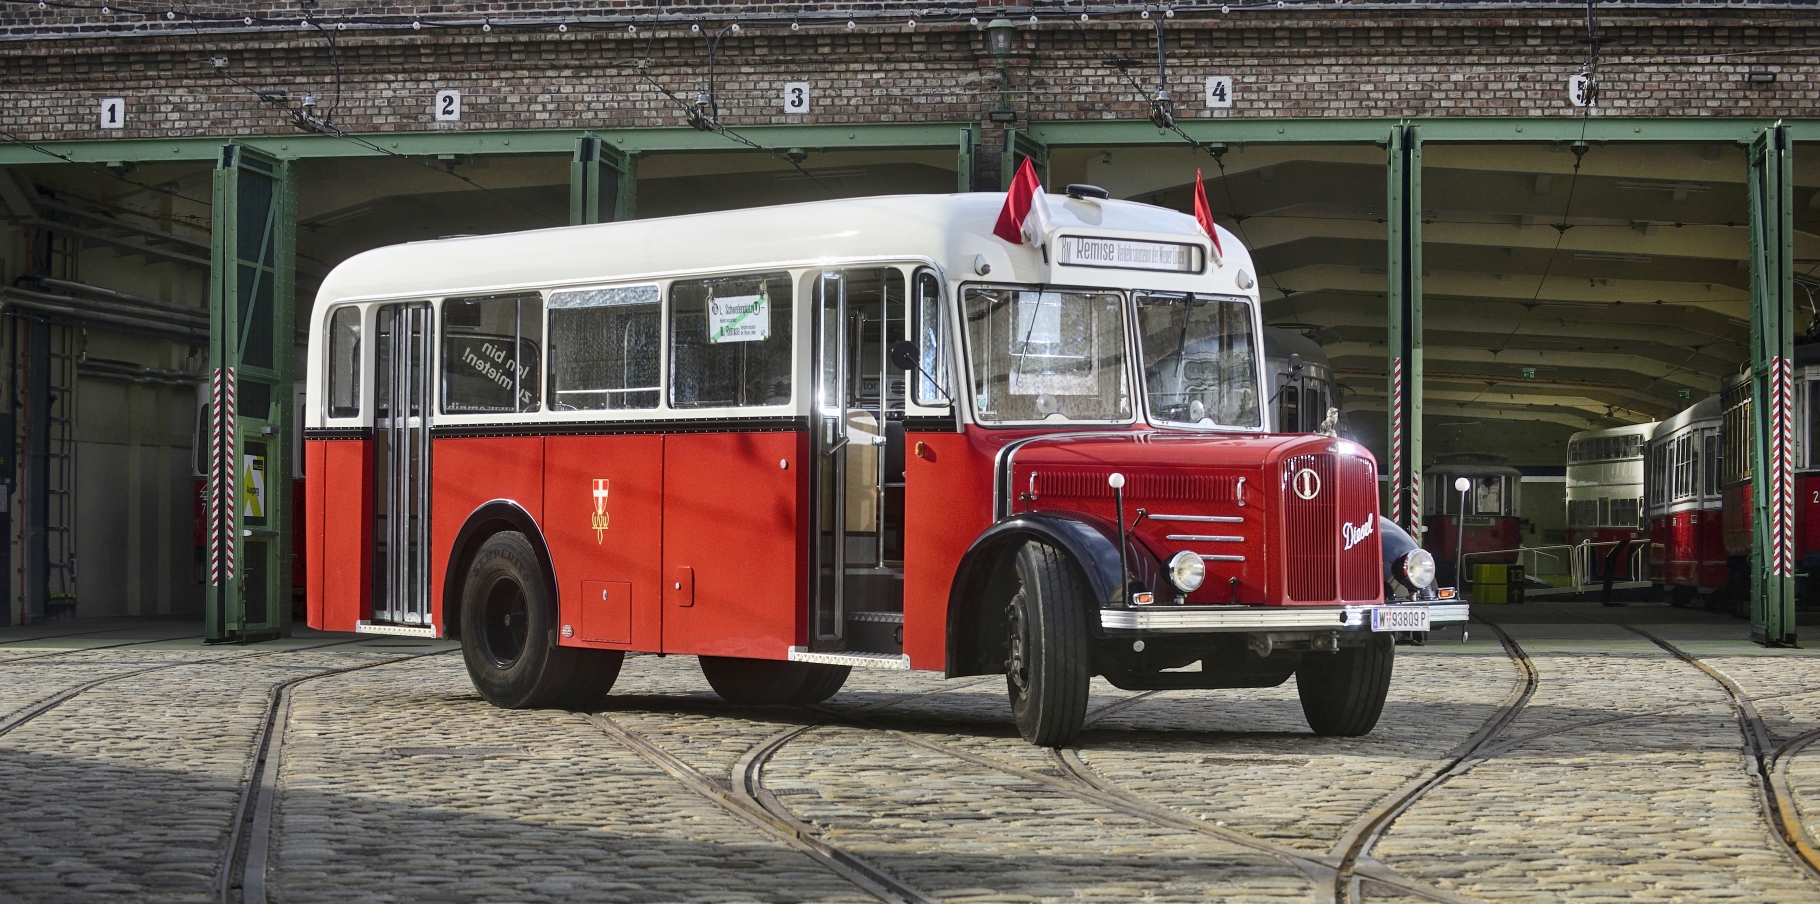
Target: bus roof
[952,229]
[1643,430]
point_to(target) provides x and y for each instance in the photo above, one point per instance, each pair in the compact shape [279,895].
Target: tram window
[604,346]
[932,385]
[1623,513]
[344,362]
[1488,496]
[1047,355]
[1314,408]
[490,354]
[1711,441]
[730,341]
[1582,513]
[1289,409]
[1813,425]
[1200,360]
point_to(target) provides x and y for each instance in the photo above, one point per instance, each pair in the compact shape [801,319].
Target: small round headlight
[1417,568]
[1187,571]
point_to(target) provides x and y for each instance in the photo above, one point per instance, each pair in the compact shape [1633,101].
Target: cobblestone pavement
[127,748]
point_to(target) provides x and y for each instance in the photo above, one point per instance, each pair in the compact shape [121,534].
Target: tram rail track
[111,646]
[248,850]
[1768,760]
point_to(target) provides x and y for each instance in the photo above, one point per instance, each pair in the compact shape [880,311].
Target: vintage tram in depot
[1735,438]
[1304,399]
[1682,476]
[1491,533]
[796,440]
[1604,488]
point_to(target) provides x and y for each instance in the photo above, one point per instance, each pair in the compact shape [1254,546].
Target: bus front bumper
[1201,619]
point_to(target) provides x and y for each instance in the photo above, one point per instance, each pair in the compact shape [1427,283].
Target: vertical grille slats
[1310,528]
[1362,566]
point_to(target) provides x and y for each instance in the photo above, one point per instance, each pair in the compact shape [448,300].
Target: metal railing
[1585,563]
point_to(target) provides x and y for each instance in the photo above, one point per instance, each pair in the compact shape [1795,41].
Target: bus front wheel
[508,635]
[1046,662]
[1343,693]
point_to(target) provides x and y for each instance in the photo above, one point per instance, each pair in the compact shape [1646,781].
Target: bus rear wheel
[763,682]
[1343,693]
[1046,663]
[508,635]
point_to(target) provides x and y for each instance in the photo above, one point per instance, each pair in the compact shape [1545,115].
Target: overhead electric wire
[25,143]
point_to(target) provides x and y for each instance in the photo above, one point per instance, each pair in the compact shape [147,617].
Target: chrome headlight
[1416,568]
[1187,571]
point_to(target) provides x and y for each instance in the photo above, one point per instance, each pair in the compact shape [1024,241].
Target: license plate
[1400,618]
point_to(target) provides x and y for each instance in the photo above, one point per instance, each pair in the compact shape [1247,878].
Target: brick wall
[1284,63]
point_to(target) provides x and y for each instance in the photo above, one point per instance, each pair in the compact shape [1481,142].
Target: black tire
[1046,656]
[1343,693]
[758,682]
[822,682]
[508,635]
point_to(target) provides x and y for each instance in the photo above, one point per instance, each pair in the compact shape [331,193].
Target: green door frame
[251,338]
[1772,331]
[1403,298]
[601,170]
[1020,146]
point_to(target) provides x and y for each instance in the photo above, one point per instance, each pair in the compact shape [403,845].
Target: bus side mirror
[903,355]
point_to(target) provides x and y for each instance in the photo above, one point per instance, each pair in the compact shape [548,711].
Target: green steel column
[963,165]
[1772,329]
[601,180]
[1404,296]
[251,346]
[1019,146]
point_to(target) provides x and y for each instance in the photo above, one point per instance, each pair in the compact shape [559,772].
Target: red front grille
[1362,566]
[1309,526]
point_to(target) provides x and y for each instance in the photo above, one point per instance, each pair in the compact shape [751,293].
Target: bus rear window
[344,363]
[730,341]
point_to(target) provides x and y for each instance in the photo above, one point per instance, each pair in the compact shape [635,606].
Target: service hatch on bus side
[792,441]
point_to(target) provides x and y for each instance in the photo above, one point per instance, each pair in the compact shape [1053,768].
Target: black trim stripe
[934,424]
[337,432]
[610,428]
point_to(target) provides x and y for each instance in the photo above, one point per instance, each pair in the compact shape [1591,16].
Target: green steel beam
[1094,133]
[1772,330]
[1018,148]
[1404,315]
[963,163]
[552,141]
[1372,131]
[600,182]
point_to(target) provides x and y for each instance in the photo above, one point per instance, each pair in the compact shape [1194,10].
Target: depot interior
[1562,292]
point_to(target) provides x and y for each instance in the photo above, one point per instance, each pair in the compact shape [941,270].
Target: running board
[898,662]
[367,627]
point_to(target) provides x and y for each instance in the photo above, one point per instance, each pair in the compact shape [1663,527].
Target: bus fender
[489,519]
[976,628]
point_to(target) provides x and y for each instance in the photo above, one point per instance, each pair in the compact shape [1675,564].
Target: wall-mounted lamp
[1001,35]
[1760,76]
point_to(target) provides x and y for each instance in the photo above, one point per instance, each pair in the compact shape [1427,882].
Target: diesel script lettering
[1355,533]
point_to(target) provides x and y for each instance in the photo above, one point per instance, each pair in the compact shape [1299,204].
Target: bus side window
[490,353]
[730,341]
[932,387]
[604,346]
[344,362]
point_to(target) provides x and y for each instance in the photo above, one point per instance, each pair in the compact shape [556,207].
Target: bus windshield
[1200,360]
[1047,355]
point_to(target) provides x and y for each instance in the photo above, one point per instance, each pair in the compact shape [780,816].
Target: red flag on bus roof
[1025,217]
[1203,214]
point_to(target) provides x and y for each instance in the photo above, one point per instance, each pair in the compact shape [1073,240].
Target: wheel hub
[506,620]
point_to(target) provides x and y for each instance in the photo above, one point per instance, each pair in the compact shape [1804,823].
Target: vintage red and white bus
[1604,484]
[858,433]
[1681,476]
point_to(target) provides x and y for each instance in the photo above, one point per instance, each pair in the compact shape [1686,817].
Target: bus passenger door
[857,590]
[401,465]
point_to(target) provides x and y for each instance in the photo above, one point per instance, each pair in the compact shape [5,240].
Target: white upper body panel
[952,232]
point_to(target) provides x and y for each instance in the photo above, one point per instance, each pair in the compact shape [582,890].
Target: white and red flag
[1025,218]
[1203,214]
